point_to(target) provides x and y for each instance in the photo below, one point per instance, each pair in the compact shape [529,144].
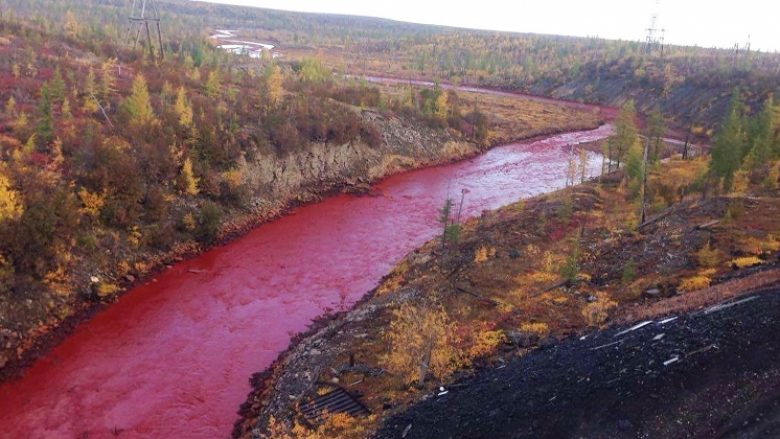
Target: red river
[173,357]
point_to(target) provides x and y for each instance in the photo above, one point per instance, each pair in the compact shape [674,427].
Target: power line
[144,13]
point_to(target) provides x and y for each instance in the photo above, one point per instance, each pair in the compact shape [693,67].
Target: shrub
[709,257]
[597,312]
[694,283]
[209,222]
[541,329]
[629,272]
[485,342]
[747,261]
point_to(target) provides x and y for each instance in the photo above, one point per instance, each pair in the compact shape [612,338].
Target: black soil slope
[725,384]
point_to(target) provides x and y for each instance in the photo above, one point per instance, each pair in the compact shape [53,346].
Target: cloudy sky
[692,22]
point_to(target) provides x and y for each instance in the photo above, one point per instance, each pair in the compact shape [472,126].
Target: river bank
[502,292]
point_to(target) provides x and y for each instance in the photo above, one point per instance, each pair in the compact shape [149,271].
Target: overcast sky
[692,22]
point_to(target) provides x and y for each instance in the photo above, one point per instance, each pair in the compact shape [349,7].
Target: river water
[172,358]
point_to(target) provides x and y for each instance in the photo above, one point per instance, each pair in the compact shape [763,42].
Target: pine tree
[635,169]
[727,150]
[655,133]
[56,87]
[138,106]
[45,127]
[761,142]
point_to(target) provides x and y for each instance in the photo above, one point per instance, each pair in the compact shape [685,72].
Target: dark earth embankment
[724,384]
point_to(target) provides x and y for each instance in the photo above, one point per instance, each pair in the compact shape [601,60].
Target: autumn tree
[212,87]
[626,134]
[183,109]
[273,84]
[89,95]
[138,106]
[422,340]
[10,201]
[188,183]
[441,107]
[107,79]
[71,25]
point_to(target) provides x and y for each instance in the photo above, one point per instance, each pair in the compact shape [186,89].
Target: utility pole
[655,36]
[143,14]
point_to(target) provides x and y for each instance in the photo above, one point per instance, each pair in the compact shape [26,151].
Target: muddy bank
[710,373]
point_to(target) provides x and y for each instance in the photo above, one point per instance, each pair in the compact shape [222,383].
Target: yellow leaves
[58,281]
[106,289]
[71,26]
[273,84]
[755,246]
[694,283]
[91,203]
[442,106]
[548,262]
[188,183]
[234,178]
[138,106]
[183,109]
[540,328]
[337,425]
[597,312]
[483,253]
[10,200]
[747,261]
[212,86]
[421,339]
[134,236]
[188,222]
[485,342]
[709,257]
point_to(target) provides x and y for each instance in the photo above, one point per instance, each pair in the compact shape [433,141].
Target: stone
[652,293]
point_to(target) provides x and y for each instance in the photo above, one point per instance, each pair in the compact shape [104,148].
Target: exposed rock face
[321,167]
